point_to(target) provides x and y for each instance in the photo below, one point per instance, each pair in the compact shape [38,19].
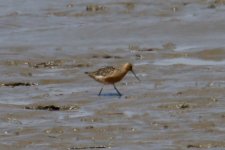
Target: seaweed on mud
[48,107]
[106,56]
[48,64]
[82,65]
[181,106]
[14,84]
[53,107]
[207,145]
[193,146]
[135,47]
[57,64]
[215,3]
[95,8]
[89,147]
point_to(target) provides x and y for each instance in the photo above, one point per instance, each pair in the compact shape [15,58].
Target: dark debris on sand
[14,84]
[89,147]
[53,107]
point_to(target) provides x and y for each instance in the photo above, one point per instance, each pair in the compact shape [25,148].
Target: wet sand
[178,51]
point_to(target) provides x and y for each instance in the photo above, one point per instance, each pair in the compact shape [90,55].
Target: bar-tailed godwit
[111,75]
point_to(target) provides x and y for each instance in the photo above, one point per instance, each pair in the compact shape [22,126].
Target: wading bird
[111,75]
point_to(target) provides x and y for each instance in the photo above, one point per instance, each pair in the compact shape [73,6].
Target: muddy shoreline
[177,49]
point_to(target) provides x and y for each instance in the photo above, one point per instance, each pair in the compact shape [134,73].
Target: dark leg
[100,92]
[117,90]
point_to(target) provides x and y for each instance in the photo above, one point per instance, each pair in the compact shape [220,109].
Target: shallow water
[178,52]
[189,61]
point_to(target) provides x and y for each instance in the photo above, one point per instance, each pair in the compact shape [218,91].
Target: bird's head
[129,67]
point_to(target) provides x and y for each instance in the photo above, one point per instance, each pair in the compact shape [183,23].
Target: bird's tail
[89,74]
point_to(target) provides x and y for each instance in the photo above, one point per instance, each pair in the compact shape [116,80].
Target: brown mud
[178,52]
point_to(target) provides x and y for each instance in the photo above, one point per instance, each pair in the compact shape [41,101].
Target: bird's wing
[104,71]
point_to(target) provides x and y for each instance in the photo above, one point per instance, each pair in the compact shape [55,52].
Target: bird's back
[102,72]
[109,74]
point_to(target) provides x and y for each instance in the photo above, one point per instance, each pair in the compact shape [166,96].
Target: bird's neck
[123,72]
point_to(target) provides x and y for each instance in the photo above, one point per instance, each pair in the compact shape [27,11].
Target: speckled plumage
[111,75]
[103,71]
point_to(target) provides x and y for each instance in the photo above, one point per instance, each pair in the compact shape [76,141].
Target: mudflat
[176,47]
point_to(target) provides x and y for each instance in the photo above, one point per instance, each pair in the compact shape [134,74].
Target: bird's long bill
[135,75]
